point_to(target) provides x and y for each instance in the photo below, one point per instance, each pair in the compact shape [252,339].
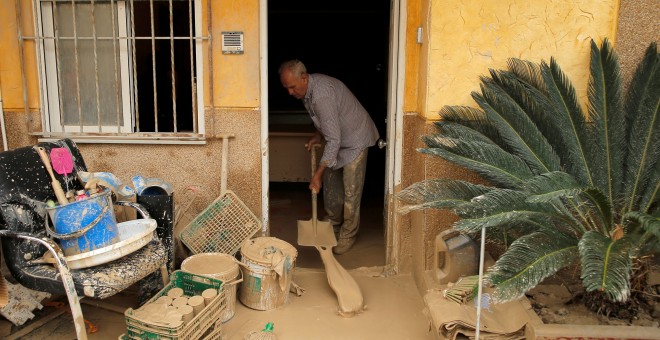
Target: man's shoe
[343,245]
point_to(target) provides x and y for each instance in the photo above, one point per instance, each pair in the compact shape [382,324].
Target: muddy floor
[394,311]
[394,306]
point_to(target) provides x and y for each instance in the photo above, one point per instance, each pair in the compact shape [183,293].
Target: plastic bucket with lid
[85,225]
[223,267]
[267,265]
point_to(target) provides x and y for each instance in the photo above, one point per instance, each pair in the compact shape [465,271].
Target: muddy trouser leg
[333,195]
[353,183]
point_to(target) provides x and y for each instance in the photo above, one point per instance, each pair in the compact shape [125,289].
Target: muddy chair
[25,187]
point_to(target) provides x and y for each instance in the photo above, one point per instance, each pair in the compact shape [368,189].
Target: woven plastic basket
[214,333]
[202,326]
[222,227]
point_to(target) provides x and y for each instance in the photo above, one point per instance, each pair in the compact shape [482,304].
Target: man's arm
[314,140]
[316,182]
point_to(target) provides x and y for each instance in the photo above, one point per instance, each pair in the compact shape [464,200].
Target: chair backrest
[25,187]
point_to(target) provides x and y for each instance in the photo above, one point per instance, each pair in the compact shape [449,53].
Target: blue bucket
[85,225]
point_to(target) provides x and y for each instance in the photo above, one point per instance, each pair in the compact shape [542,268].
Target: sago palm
[565,185]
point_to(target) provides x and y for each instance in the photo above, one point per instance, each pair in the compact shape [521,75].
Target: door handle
[381,144]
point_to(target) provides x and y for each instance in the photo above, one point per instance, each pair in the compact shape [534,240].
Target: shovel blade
[324,235]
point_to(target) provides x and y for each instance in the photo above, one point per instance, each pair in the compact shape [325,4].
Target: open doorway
[348,40]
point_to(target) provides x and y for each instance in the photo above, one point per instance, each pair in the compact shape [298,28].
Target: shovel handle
[314,204]
[313,158]
[46,161]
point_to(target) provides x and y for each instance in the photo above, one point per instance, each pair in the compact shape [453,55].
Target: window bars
[120,67]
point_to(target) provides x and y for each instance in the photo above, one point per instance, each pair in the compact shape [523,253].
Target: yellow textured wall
[468,37]
[10,65]
[414,19]
[236,77]
[424,56]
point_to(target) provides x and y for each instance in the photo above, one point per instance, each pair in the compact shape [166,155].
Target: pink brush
[61,160]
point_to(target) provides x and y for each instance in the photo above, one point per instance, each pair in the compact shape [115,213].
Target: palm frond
[643,135]
[520,135]
[650,201]
[549,187]
[562,190]
[453,143]
[529,260]
[608,120]
[438,194]
[472,118]
[601,204]
[517,229]
[500,207]
[489,161]
[644,232]
[606,265]
[644,222]
[573,143]
[519,218]
[523,94]
[527,71]
[456,130]
[533,100]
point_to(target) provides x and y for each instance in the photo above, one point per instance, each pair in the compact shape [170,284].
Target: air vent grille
[232,42]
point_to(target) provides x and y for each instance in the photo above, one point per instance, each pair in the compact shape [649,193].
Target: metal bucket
[267,266]
[85,225]
[217,266]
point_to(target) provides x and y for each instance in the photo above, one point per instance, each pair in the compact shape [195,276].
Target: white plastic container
[218,266]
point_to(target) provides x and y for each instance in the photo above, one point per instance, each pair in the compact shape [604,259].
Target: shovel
[314,232]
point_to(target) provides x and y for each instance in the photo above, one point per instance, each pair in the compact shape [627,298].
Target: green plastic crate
[198,327]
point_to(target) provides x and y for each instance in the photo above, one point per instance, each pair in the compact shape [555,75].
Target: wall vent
[232,42]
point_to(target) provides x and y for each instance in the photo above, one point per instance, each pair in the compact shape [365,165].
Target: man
[348,132]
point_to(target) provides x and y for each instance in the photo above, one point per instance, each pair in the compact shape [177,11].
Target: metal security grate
[119,67]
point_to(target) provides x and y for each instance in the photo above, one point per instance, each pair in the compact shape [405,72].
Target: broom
[463,290]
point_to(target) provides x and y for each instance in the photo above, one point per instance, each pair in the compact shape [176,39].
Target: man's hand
[317,180]
[314,140]
[315,185]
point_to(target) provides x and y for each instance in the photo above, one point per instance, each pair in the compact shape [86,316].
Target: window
[121,68]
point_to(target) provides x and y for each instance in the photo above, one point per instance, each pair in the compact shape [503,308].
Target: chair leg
[67,280]
[71,294]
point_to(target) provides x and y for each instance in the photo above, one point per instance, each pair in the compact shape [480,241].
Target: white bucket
[217,266]
[263,288]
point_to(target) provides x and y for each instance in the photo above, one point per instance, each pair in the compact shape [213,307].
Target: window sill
[135,138]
